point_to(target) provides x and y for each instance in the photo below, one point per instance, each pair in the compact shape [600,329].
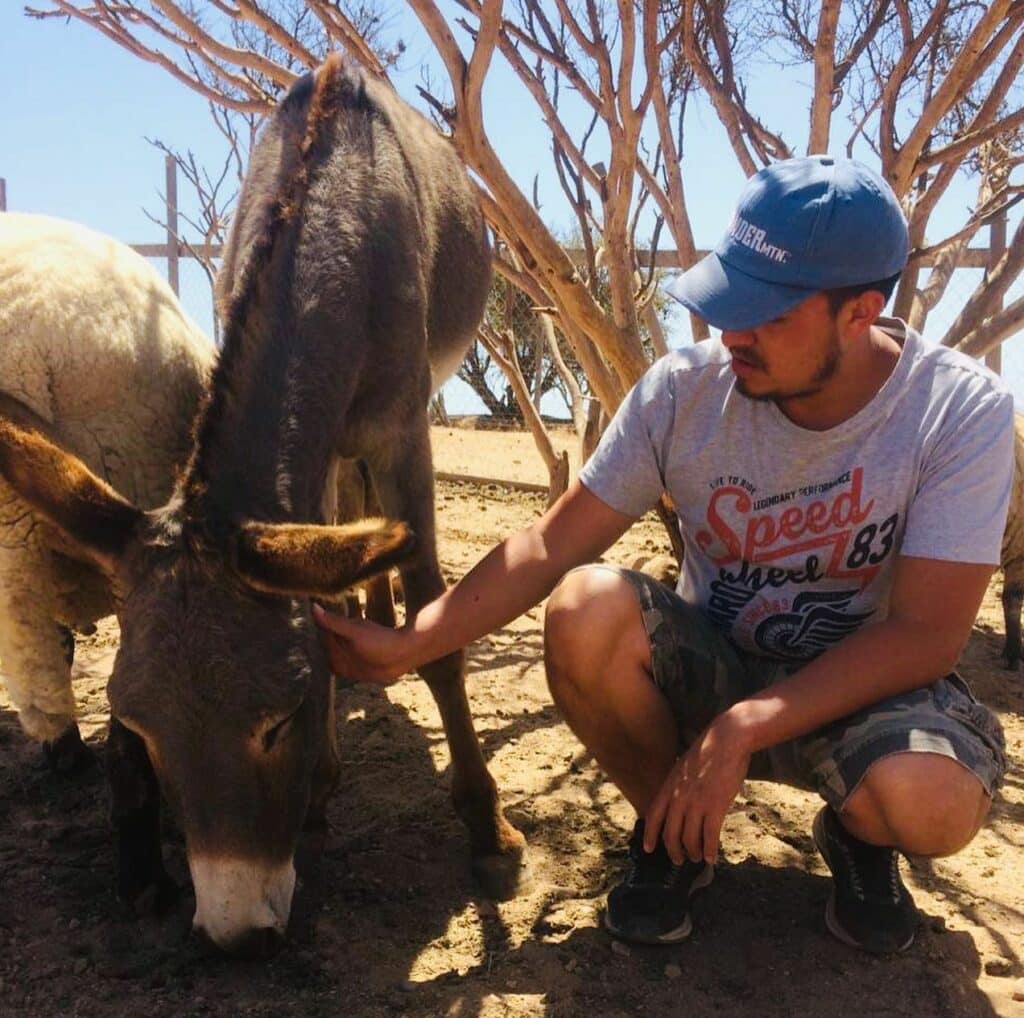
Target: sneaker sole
[681,932]
[831,919]
[833,927]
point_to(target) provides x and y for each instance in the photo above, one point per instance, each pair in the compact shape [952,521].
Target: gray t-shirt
[791,535]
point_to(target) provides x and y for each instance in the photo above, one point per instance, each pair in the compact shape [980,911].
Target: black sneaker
[869,907]
[651,906]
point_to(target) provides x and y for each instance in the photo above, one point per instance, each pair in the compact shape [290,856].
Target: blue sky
[77,111]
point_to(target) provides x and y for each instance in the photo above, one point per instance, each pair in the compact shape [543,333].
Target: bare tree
[502,347]
[930,86]
[933,90]
[927,89]
[510,312]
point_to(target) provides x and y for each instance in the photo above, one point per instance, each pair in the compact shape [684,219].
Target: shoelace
[854,866]
[651,867]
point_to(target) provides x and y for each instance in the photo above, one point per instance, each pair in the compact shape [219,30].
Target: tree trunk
[592,430]
[438,410]
[503,350]
[572,386]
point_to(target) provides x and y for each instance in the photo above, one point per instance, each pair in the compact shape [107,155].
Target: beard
[828,365]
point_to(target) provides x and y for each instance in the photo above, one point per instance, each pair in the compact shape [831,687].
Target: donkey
[353,280]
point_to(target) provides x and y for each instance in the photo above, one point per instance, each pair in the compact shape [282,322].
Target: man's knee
[592,625]
[921,803]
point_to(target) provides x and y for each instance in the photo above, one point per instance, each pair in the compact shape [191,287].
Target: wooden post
[171,174]
[996,249]
[3,195]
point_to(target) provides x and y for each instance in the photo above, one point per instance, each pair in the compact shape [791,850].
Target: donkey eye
[272,734]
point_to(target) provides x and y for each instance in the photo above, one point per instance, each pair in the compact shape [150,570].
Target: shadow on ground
[389,921]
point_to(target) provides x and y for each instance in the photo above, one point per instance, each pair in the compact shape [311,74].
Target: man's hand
[691,804]
[362,650]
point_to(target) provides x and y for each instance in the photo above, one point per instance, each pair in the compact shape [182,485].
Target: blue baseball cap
[801,225]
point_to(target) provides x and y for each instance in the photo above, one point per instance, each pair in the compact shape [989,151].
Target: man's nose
[735,338]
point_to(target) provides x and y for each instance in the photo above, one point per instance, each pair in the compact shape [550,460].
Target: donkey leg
[406,491]
[380,599]
[315,827]
[141,880]
[496,845]
[380,602]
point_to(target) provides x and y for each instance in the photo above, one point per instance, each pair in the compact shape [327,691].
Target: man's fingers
[672,830]
[340,625]
[342,663]
[692,838]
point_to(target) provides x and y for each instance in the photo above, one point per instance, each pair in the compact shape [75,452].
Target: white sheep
[94,348]
[1012,557]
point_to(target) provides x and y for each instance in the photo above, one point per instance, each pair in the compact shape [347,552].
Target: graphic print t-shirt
[791,535]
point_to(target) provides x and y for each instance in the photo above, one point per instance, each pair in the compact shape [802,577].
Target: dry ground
[389,922]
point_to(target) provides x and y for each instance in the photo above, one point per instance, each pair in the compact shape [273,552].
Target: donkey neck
[268,434]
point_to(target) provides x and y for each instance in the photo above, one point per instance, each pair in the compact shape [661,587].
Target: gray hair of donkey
[220,674]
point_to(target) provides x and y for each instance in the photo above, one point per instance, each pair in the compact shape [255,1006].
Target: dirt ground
[390,923]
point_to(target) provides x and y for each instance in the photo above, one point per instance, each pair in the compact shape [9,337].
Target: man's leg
[914,774]
[920,803]
[598,660]
[636,673]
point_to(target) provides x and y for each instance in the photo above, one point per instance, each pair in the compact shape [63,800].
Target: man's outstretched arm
[510,579]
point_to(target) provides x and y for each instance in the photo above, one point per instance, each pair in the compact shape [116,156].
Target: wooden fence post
[171,175]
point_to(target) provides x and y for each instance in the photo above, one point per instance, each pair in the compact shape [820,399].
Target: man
[842,489]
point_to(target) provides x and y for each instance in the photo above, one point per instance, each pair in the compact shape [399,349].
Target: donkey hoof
[500,877]
[503,874]
[67,754]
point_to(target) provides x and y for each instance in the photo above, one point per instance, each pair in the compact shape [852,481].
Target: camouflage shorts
[701,672]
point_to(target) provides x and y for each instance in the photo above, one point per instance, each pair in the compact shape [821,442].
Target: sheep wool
[95,344]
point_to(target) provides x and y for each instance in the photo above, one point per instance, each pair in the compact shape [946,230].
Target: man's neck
[865,367]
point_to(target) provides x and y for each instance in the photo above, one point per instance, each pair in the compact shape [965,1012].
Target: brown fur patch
[61,488]
[305,560]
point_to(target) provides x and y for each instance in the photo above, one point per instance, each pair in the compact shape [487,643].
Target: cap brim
[729,299]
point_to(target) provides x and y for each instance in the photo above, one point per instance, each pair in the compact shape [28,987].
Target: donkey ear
[306,560]
[97,521]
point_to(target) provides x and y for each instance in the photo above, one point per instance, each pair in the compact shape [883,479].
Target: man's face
[791,357]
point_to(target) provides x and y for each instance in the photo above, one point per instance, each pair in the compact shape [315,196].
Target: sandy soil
[390,922]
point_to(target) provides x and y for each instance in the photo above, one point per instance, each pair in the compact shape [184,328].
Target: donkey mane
[327,88]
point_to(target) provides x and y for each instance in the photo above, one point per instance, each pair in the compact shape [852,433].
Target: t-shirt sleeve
[959,511]
[626,469]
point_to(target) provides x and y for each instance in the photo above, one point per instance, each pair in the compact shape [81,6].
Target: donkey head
[219,676]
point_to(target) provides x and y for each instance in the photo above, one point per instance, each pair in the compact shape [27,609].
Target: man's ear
[306,560]
[857,316]
[97,521]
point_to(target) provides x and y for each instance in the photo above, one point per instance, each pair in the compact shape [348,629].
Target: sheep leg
[37,673]
[68,754]
[141,880]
